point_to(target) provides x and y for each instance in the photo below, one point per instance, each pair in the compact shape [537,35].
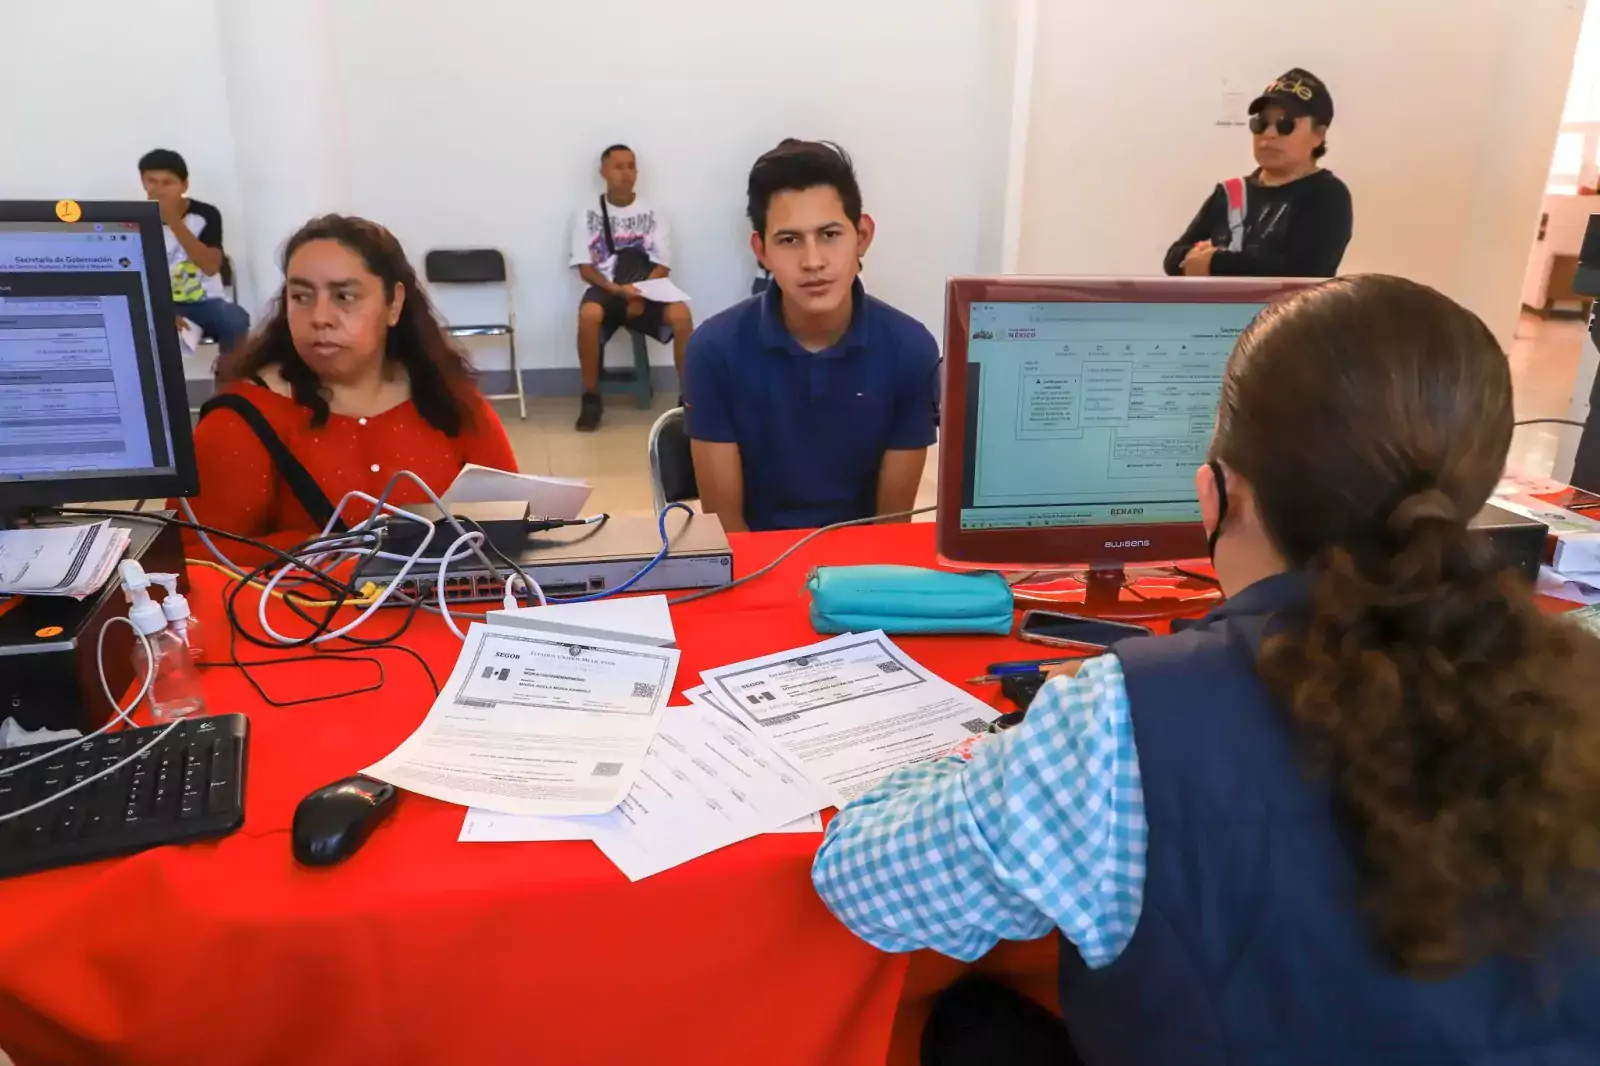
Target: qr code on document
[643,691]
[889,666]
[976,725]
[606,769]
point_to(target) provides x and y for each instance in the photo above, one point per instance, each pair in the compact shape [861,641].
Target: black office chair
[481,266]
[671,463]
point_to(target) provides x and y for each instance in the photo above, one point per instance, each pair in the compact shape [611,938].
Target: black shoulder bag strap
[605,225]
[297,477]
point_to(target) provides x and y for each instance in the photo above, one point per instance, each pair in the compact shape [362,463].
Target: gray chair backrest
[671,461]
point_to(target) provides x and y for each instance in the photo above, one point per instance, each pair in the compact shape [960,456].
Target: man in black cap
[1288,218]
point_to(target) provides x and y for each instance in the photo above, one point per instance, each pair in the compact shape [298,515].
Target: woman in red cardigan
[354,374]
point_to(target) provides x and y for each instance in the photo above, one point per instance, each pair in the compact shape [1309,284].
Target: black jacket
[1298,230]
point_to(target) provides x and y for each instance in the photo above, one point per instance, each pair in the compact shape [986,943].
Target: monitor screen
[1091,414]
[82,395]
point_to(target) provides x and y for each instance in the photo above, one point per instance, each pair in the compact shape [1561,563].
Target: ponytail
[1455,722]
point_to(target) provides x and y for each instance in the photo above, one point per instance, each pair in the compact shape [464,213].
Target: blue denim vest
[1252,947]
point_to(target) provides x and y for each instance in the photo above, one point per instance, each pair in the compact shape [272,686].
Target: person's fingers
[1069,669]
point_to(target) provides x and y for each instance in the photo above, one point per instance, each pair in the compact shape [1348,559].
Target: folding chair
[671,461]
[481,266]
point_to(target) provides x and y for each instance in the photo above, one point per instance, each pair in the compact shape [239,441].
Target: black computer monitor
[1076,411]
[92,400]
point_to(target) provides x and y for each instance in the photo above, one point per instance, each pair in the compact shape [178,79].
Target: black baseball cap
[1299,92]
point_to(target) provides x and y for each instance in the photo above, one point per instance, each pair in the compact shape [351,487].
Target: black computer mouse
[332,822]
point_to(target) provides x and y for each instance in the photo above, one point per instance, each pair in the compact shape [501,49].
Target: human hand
[1067,669]
[630,291]
[1198,262]
[171,212]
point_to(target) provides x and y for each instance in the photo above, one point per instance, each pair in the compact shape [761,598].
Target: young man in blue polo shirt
[811,403]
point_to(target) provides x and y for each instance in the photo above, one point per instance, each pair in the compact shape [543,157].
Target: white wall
[1446,116]
[481,123]
[89,86]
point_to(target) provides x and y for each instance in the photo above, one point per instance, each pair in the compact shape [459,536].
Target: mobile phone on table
[1075,631]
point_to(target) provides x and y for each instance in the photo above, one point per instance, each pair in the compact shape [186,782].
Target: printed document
[707,782]
[849,710]
[811,823]
[489,827]
[72,560]
[533,723]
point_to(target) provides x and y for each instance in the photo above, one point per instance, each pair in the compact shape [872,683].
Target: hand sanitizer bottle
[175,606]
[175,683]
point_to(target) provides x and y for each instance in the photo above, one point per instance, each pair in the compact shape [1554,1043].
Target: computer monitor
[92,401]
[1076,411]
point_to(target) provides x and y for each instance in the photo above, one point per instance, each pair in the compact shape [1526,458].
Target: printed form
[849,710]
[532,723]
[707,782]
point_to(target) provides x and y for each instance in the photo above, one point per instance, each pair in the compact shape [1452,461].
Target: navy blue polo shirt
[811,427]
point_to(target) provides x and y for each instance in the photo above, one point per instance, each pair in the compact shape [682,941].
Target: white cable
[510,601]
[380,506]
[331,553]
[205,538]
[472,539]
[120,716]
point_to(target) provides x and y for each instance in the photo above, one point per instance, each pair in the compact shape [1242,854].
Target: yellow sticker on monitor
[48,631]
[68,210]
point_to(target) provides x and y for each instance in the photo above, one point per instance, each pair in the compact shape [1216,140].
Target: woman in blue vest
[1352,817]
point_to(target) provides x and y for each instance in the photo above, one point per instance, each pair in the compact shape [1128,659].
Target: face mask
[1222,508]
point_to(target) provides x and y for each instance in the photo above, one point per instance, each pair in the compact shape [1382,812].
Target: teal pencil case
[908,599]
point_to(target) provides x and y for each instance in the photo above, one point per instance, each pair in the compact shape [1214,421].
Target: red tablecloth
[420,949]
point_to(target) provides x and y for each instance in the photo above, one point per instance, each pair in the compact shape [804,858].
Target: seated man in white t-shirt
[193,230]
[620,229]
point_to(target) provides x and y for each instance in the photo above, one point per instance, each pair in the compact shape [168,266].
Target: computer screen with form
[80,389]
[1091,414]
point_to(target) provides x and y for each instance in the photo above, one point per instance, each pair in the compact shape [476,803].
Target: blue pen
[997,671]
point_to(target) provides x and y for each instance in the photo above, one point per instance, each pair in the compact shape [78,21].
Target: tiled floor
[1543,363]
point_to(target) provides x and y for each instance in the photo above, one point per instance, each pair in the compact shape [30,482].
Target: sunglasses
[1284,125]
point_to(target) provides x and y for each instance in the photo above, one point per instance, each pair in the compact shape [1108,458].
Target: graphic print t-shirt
[190,284]
[635,226]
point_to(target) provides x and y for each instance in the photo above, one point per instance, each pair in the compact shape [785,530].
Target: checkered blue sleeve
[1043,828]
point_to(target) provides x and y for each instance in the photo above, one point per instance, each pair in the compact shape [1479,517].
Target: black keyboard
[190,786]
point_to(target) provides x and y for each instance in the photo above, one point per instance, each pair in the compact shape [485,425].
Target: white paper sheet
[706,783]
[548,497]
[661,290]
[811,823]
[849,710]
[631,619]
[1582,589]
[189,336]
[534,724]
[488,827]
[701,694]
[70,560]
